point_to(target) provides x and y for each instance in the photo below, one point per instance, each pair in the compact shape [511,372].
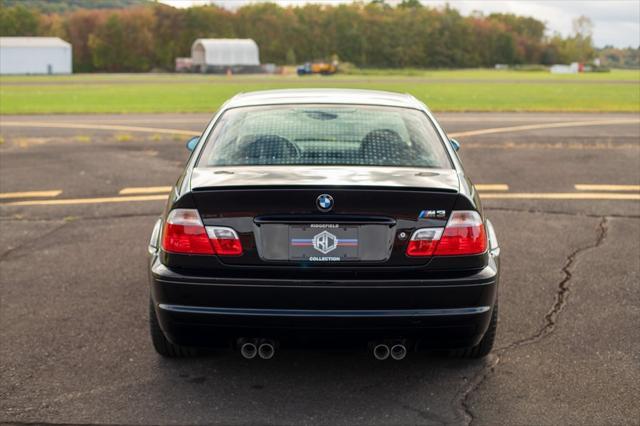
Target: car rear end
[303,238]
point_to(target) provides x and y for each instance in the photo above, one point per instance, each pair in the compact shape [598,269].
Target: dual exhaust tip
[382,351]
[264,349]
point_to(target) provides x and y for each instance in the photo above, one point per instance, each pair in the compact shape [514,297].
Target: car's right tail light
[184,233]
[463,235]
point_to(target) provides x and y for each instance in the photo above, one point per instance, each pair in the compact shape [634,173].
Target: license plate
[323,242]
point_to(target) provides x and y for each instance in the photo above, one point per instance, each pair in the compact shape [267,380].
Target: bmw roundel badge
[324,202]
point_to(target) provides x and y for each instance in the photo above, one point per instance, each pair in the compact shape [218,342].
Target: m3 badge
[432,214]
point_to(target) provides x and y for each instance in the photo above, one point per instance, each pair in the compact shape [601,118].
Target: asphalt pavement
[79,196]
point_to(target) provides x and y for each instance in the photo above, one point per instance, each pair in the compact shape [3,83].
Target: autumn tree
[19,21]
[368,34]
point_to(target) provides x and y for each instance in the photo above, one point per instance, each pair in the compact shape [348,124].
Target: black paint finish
[210,300]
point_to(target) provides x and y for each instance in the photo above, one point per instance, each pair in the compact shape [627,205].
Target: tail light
[463,235]
[224,240]
[185,233]
[424,241]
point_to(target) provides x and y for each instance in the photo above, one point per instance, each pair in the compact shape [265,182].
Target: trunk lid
[276,213]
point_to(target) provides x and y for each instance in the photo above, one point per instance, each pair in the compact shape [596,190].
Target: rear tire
[483,348]
[163,346]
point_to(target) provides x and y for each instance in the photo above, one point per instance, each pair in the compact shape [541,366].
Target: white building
[209,53]
[574,68]
[34,55]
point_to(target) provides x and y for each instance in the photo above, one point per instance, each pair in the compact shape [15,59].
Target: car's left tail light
[184,233]
[224,240]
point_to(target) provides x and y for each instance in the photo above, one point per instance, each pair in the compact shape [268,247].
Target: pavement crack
[562,293]
[550,324]
[30,241]
[474,383]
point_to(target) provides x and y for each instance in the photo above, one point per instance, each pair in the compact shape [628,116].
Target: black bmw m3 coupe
[324,216]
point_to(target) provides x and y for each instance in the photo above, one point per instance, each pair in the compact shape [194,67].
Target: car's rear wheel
[483,348]
[163,346]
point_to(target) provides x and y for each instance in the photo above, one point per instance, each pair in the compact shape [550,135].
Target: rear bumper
[205,311]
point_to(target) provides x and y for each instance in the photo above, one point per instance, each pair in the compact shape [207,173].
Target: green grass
[355,73]
[455,90]
[490,74]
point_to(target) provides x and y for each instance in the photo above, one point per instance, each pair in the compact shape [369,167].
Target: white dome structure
[222,52]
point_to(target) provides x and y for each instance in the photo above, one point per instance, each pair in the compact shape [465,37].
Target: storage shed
[220,54]
[34,55]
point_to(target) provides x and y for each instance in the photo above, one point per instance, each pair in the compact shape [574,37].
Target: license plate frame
[324,242]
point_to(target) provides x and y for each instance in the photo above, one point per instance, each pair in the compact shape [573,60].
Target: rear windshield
[353,135]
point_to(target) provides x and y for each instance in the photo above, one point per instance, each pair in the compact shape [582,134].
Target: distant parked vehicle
[323,68]
[184,64]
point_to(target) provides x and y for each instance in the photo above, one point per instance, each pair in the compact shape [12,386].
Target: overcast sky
[616,22]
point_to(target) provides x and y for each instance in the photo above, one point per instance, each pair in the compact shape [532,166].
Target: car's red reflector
[225,241]
[423,242]
[463,235]
[184,233]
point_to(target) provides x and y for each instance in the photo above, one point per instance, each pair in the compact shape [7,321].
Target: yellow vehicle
[324,68]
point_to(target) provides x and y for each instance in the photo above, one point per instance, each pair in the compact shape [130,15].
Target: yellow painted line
[589,187]
[144,190]
[608,146]
[492,187]
[114,127]
[545,126]
[485,196]
[559,196]
[31,194]
[72,201]
[59,125]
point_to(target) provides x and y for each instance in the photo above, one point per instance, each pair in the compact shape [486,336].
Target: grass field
[454,90]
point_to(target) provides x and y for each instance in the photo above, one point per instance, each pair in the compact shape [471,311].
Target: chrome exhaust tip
[266,350]
[381,352]
[248,350]
[398,352]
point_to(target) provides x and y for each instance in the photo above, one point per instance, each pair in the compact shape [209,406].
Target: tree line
[151,36]
[62,6]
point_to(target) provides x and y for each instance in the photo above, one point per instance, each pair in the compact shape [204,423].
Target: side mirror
[192,143]
[455,144]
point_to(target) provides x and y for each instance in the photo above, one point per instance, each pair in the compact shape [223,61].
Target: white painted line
[31,194]
[492,187]
[559,196]
[144,190]
[112,127]
[545,126]
[72,201]
[590,187]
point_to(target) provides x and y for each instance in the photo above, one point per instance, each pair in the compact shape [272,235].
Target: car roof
[324,96]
